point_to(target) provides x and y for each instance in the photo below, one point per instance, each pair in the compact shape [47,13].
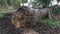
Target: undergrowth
[52,23]
[1,15]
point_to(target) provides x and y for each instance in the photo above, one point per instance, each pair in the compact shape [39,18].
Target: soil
[7,28]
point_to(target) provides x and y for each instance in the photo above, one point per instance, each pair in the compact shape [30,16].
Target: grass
[52,23]
[5,11]
[2,12]
[1,15]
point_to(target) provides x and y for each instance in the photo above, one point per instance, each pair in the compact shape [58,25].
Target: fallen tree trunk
[28,17]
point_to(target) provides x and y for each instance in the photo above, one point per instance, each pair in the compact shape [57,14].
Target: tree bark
[6,4]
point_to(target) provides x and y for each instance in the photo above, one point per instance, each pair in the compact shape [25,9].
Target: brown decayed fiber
[22,17]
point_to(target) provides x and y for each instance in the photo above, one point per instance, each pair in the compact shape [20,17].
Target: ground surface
[7,28]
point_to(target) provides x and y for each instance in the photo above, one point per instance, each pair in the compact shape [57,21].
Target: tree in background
[41,3]
[13,3]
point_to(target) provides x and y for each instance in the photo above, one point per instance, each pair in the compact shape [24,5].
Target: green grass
[5,11]
[2,12]
[52,23]
[1,15]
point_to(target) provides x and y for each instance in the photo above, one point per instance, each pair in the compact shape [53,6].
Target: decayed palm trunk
[28,17]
